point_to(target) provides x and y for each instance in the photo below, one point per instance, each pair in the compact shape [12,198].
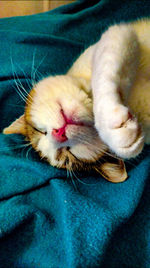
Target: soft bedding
[47,219]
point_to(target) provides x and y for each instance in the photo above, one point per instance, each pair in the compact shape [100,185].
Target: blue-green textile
[47,220]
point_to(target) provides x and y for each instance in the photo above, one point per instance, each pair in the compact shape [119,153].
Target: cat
[99,107]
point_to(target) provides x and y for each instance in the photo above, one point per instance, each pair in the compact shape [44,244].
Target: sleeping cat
[97,108]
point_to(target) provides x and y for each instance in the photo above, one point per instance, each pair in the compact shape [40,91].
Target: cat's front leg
[115,63]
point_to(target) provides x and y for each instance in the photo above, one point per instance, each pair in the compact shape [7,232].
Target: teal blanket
[47,219]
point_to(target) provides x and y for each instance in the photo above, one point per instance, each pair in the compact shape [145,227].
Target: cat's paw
[120,131]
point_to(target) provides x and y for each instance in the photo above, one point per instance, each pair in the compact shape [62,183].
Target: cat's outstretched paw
[120,131]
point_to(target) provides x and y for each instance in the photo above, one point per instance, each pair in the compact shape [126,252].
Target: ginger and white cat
[74,120]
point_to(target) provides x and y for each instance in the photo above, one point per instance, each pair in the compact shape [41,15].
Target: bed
[47,219]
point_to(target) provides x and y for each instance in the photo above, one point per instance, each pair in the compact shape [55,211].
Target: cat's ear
[114,172]
[17,127]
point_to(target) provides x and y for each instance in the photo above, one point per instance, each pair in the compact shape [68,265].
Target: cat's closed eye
[42,131]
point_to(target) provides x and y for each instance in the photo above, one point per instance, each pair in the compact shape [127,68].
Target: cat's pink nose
[59,134]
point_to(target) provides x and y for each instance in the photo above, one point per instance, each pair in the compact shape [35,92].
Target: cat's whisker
[19,93]
[23,97]
[111,155]
[27,96]
[14,147]
[27,153]
[81,180]
[42,157]
[76,176]
[15,76]
[36,69]
[126,160]
[32,68]
[67,174]
[26,79]
[39,76]
[22,151]
[19,84]
[73,182]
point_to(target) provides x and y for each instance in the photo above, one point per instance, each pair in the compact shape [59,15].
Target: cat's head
[59,123]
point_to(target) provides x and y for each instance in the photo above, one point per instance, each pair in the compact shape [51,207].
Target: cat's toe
[128,140]
[118,116]
[126,134]
[121,132]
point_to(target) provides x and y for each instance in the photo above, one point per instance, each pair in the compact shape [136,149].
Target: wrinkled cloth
[49,219]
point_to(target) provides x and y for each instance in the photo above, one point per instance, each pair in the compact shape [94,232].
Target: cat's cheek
[88,152]
[47,150]
[81,151]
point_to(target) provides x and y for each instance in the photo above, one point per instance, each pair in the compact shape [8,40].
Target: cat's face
[58,103]
[59,123]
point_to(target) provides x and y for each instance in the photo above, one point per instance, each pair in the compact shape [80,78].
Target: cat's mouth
[110,167]
[59,134]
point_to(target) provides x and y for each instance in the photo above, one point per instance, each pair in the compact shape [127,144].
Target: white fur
[52,94]
[108,67]
[117,64]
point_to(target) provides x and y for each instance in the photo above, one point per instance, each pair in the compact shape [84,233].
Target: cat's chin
[131,151]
